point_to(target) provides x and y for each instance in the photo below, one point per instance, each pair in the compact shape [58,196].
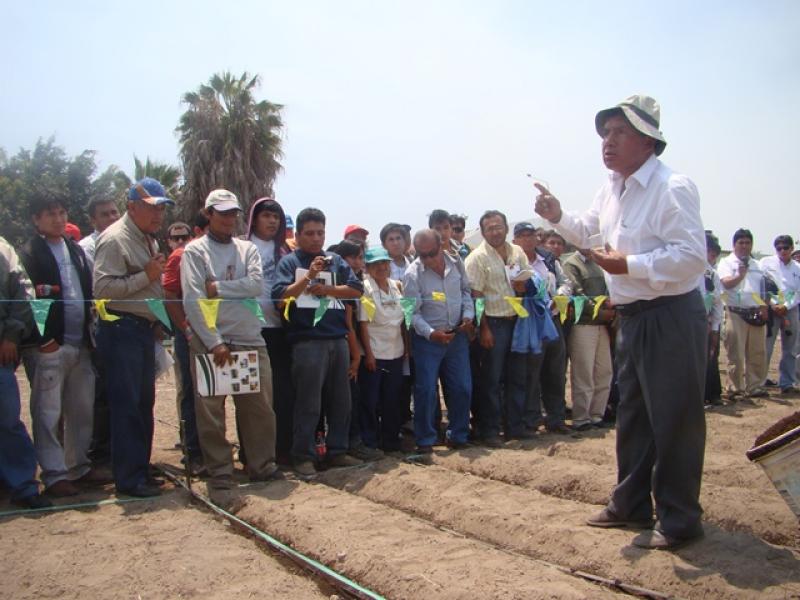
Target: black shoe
[33,502]
[582,427]
[560,428]
[522,436]
[493,441]
[458,445]
[424,449]
[770,383]
[142,490]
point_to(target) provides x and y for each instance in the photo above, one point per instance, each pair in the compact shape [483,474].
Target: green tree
[48,167]
[229,140]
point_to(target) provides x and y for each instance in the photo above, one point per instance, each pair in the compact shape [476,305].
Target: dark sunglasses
[431,254]
[179,238]
[781,248]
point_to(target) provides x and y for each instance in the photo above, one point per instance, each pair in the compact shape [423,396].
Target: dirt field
[474,523]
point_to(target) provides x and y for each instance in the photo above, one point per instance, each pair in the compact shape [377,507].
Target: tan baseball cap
[642,112]
[222,201]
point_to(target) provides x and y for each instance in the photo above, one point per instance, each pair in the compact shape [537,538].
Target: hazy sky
[393,109]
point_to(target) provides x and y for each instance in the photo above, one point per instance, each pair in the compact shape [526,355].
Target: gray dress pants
[661,430]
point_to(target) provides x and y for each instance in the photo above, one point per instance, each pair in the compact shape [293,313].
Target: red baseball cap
[353,228]
[72,231]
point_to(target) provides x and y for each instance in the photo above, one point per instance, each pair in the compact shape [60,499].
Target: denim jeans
[453,359]
[319,374]
[501,395]
[17,456]
[126,347]
[187,414]
[547,379]
[280,357]
[789,347]
[380,410]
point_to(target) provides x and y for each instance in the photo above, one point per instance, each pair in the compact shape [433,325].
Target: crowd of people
[362,346]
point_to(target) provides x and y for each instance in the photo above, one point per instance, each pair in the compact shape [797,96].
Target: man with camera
[745,332]
[313,283]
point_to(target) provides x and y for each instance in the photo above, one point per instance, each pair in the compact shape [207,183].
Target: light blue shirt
[429,314]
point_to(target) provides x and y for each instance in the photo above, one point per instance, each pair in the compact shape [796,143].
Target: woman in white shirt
[383,338]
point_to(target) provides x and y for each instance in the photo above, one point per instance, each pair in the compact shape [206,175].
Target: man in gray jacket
[219,265]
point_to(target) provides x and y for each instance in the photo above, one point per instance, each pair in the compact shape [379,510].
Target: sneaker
[305,469]
[36,501]
[365,453]
[342,460]
[61,489]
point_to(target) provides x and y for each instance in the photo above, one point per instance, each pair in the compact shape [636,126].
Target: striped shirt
[488,275]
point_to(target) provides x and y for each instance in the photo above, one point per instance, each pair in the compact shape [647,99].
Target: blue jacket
[533,331]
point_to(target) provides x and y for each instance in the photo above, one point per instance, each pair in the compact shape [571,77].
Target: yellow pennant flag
[758,300]
[724,297]
[101,310]
[516,304]
[210,309]
[598,302]
[438,296]
[369,307]
[287,303]
[562,302]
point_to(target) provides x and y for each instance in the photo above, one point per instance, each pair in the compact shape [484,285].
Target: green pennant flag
[40,308]
[578,302]
[708,300]
[321,309]
[408,305]
[480,306]
[789,296]
[254,307]
[541,291]
[156,307]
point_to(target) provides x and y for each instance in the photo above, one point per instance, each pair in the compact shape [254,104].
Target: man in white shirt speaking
[645,230]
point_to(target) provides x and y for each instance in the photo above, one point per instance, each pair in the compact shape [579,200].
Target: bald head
[428,238]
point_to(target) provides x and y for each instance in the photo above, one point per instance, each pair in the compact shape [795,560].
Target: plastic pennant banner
[598,302]
[321,309]
[789,296]
[708,300]
[287,303]
[41,309]
[438,296]
[562,302]
[100,305]
[210,309]
[757,299]
[369,306]
[408,305]
[254,307]
[541,290]
[156,307]
[578,302]
[516,304]
[480,306]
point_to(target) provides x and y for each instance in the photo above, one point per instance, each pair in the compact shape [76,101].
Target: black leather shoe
[142,490]
[32,502]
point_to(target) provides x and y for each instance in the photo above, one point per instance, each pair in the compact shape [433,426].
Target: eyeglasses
[782,248]
[179,238]
[431,254]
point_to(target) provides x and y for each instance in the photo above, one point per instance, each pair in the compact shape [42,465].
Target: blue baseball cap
[289,222]
[376,254]
[151,191]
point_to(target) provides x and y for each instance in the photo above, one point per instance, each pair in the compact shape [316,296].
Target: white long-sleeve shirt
[655,221]
[741,295]
[786,276]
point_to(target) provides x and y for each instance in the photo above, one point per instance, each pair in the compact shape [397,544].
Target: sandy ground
[505,523]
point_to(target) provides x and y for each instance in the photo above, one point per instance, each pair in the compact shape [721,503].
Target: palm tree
[168,175]
[229,140]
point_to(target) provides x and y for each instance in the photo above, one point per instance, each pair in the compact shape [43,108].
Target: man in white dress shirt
[645,228]
[786,274]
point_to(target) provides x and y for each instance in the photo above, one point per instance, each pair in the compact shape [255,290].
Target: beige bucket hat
[642,112]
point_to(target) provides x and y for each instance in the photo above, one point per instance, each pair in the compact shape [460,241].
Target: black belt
[627,310]
[136,318]
[743,310]
[501,318]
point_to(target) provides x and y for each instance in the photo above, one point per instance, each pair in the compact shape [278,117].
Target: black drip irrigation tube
[79,505]
[337,580]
